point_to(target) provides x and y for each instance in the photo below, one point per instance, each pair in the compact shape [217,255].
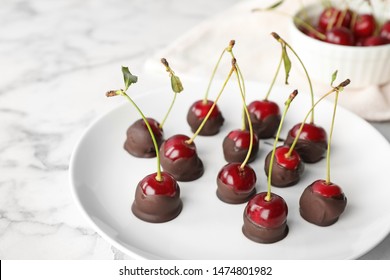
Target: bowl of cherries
[355,40]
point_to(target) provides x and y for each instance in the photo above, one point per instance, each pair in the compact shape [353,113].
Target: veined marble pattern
[57,58]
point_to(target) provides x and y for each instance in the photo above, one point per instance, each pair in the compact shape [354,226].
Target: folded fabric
[196,52]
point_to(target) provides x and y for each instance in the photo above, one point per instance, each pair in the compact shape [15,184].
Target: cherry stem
[279,39]
[248,154]
[123,93]
[169,110]
[239,77]
[274,79]
[338,88]
[227,49]
[330,139]
[286,106]
[189,141]
[171,73]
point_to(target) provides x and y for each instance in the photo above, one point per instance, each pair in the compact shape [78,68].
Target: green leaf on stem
[286,63]
[128,77]
[334,76]
[176,84]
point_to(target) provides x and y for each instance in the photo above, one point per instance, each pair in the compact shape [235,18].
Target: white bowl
[364,66]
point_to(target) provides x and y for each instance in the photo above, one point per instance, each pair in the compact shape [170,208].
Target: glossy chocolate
[281,176]
[138,141]
[157,208]
[320,210]
[196,115]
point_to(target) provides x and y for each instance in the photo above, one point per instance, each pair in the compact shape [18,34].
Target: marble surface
[57,58]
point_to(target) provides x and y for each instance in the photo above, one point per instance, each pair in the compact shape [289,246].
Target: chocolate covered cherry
[180,158]
[265,221]
[322,203]
[311,144]
[265,117]
[286,170]
[236,144]
[157,201]
[138,142]
[197,113]
[236,184]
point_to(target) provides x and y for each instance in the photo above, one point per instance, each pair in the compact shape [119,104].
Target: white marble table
[56,60]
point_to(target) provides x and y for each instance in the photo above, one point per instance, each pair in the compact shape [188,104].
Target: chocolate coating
[261,234]
[234,154]
[138,142]
[235,184]
[310,151]
[266,128]
[182,169]
[281,176]
[211,127]
[320,210]
[156,208]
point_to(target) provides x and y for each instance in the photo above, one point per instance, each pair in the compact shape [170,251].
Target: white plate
[103,178]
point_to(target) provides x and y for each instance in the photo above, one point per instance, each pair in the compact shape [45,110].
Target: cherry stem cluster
[284,43]
[123,93]
[287,105]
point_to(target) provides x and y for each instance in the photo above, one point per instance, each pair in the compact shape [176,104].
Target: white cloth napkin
[258,54]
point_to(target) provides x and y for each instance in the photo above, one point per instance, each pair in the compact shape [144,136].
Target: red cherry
[365,25]
[291,162]
[240,179]
[385,30]
[242,138]
[269,214]
[167,187]
[327,190]
[310,132]
[375,41]
[200,109]
[176,147]
[263,108]
[340,36]
[332,14]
